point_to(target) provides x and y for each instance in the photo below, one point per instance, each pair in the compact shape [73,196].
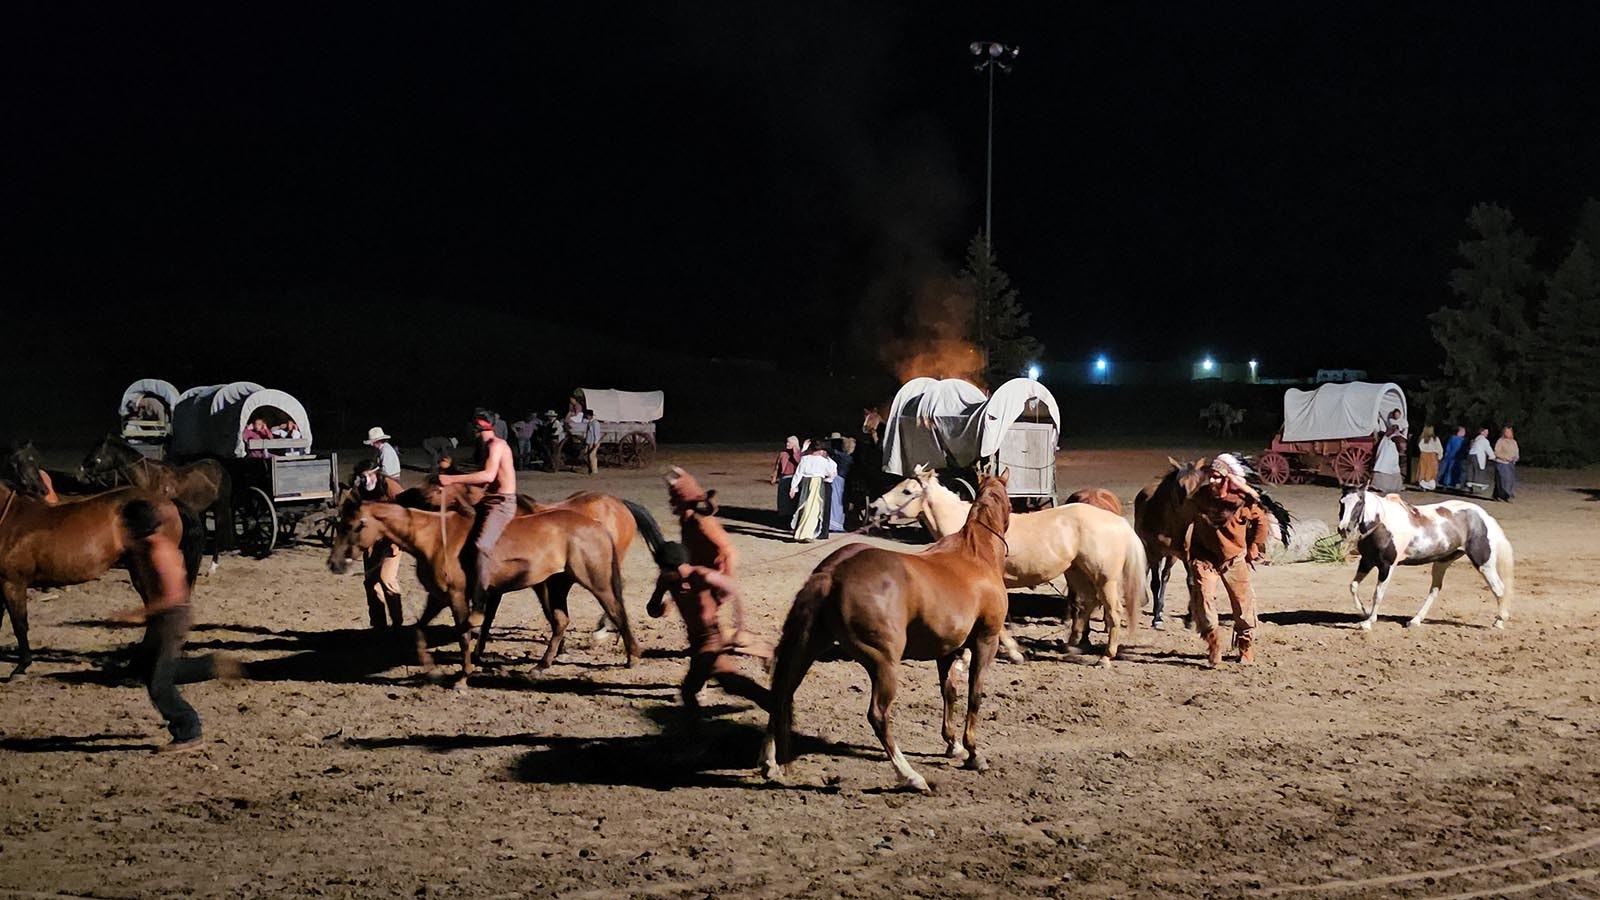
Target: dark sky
[1286,180]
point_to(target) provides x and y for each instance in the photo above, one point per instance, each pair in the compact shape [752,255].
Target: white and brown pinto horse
[1390,532]
[1097,550]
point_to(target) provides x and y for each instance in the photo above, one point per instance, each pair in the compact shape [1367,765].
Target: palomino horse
[203,486]
[1094,548]
[1390,532]
[1163,511]
[884,606]
[44,546]
[553,550]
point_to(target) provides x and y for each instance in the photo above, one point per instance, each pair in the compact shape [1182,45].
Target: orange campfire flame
[938,322]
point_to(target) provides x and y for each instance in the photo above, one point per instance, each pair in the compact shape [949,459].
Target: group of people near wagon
[815,489]
[1473,465]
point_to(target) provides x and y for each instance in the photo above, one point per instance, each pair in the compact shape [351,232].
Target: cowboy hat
[836,436]
[375,434]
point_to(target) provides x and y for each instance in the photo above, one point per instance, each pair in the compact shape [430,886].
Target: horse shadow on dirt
[1592,493]
[104,742]
[1346,620]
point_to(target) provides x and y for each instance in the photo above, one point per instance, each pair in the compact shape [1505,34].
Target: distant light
[1033,372]
[1253,365]
[1100,364]
[1208,364]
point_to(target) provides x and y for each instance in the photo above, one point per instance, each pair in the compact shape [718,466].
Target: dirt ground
[1450,760]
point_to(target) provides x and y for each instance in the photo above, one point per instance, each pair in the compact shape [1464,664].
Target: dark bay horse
[551,550]
[45,546]
[1162,514]
[202,487]
[883,606]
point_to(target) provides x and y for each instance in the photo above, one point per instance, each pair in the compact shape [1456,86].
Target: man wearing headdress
[1229,536]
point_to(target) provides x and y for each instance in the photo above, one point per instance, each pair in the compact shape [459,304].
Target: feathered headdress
[1237,469]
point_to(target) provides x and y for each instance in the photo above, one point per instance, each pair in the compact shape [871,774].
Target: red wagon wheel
[1350,465]
[1273,467]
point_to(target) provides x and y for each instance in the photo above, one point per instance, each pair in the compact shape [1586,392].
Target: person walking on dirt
[591,441]
[495,510]
[703,536]
[156,565]
[1229,536]
[380,564]
[699,593]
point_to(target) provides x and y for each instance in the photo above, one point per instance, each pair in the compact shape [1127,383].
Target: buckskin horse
[203,486]
[551,550]
[883,606]
[1088,542]
[1390,532]
[45,546]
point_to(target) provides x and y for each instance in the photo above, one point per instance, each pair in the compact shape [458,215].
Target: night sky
[1283,180]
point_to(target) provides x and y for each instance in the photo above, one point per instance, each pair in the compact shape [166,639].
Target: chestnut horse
[1091,545]
[551,550]
[1162,514]
[884,606]
[44,546]
[203,486]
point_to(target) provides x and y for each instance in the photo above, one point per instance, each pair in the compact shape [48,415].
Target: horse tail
[796,652]
[192,541]
[648,529]
[1136,590]
[629,644]
[1505,566]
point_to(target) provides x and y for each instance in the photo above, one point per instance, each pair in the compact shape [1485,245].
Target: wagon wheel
[255,522]
[1273,467]
[1350,465]
[635,450]
[963,490]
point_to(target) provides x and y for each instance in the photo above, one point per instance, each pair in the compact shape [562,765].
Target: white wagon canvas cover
[165,391]
[624,406]
[1340,411]
[938,423]
[210,421]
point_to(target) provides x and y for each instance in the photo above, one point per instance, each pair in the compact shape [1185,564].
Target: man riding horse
[497,508]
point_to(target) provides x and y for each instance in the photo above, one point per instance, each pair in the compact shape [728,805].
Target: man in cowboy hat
[1229,536]
[388,457]
[498,506]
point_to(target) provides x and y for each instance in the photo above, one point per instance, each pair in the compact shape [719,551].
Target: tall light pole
[991,55]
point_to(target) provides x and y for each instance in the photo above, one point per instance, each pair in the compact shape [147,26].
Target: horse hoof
[955,751]
[1366,624]
[916,783]
[1413,623]
[1499,623]
[976,763]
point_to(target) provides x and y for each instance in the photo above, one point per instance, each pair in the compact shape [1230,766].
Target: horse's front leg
[434,605]
[983,652]
[1385,572]
[1433,592]
[16,597]
[1362,568]
[947,686]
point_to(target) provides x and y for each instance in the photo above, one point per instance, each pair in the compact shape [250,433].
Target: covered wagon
[279,484]
[627,422]
[1330,431]
[954,427]
[145,411]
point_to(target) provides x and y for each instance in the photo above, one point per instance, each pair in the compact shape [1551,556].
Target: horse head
[903,503]
[992,508]
[1355,512]
[352,531]
[871,424]
[21,468]
[1190,477]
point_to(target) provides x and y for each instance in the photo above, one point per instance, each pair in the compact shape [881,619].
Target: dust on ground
[1401,762]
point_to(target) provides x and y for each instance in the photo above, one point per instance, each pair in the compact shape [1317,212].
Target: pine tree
[1486,340]
[998,318]
[1565,424]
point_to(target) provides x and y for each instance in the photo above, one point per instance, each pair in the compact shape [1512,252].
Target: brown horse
[1163,511]
[551,550]
[203,486]
[884,606]
[44,546]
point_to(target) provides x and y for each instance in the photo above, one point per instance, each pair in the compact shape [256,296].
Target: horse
[203,486]
[1162,514]
[1390,532]
[22,467]
[884,606]
[1093,546]
[552,550]
[44,546]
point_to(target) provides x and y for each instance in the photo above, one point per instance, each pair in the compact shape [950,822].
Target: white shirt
[1431,445]
[389,460]
[814,465]
[1481,449]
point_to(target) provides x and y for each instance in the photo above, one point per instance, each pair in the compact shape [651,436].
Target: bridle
[1005,543]
[922,493]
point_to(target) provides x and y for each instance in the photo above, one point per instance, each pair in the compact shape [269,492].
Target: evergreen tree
[1565,424]
[999,321]
[1487,339]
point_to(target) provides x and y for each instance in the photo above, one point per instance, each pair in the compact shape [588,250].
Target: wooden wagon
[280,487]
[146,415]
[627,422]
[1330,432]
[953,427]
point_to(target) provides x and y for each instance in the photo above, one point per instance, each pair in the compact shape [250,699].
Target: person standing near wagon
[1506,454]
[591,441]
[388,457]
[497,508]
[1229,536]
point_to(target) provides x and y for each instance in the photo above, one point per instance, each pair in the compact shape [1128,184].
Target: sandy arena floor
[1443,761]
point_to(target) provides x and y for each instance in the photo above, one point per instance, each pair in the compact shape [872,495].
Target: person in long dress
[812,479]
[783,474]
[1429,450]
[1386,467]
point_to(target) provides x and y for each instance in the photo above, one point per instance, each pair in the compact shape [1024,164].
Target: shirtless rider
[495,510]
